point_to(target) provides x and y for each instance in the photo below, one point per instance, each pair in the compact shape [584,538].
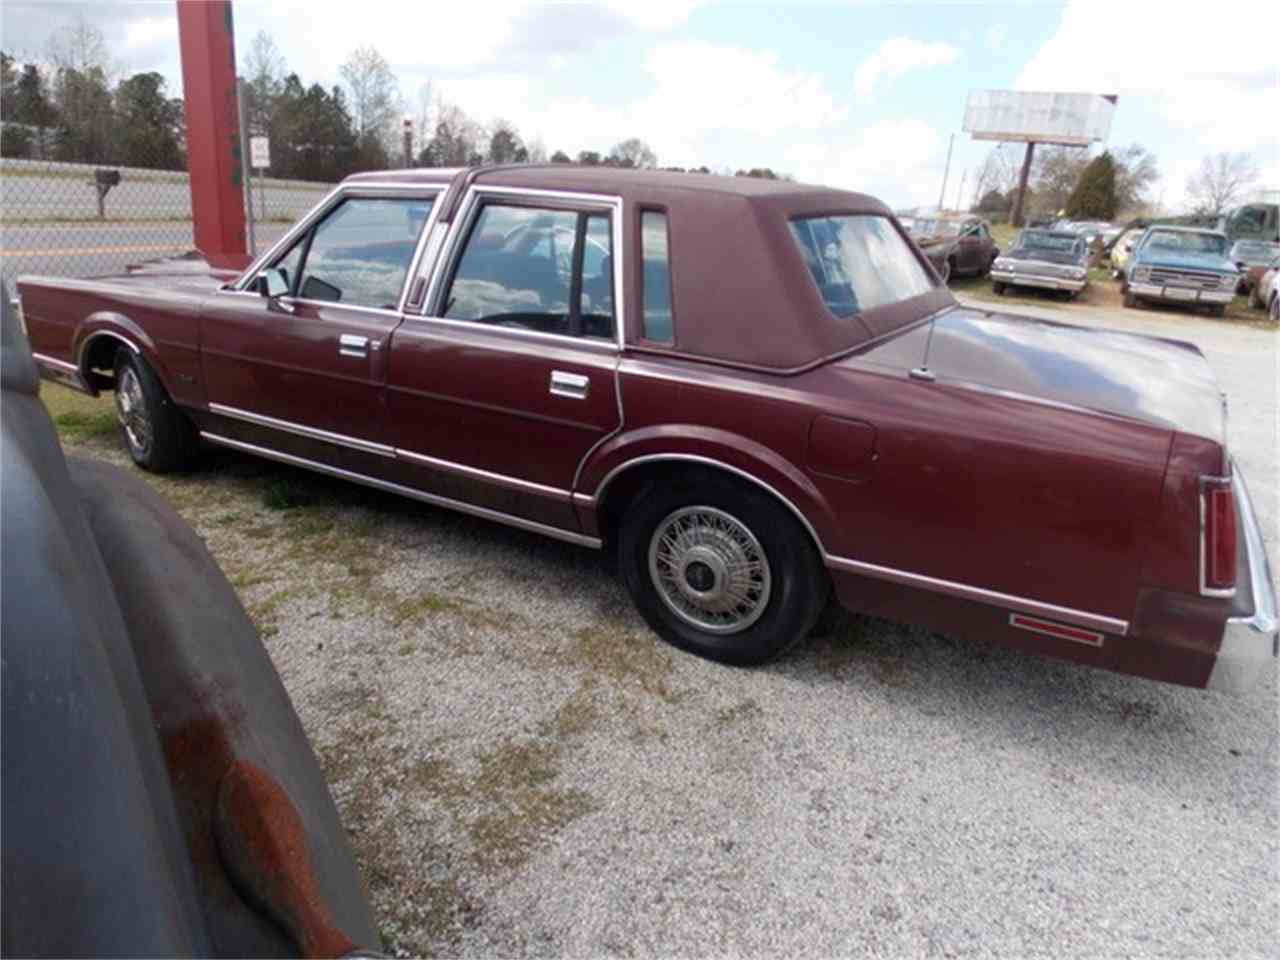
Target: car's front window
[1039,240]
[859,262]
[1185,242]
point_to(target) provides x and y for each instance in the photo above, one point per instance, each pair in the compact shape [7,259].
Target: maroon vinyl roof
[741,292]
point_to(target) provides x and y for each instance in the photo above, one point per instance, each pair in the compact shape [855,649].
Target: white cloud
[898,161]
[897,56]
[1213,83]
[149,31]
[995,37]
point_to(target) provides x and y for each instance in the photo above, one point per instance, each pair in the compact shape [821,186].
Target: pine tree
[1094,197]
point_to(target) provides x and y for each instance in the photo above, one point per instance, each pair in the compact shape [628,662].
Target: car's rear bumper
[1036,280]
[1156,291]
[1249,640]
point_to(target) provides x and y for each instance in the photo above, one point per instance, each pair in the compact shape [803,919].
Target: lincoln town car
[756,394]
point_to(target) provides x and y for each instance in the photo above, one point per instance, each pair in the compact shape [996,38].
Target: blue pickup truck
[1181,265]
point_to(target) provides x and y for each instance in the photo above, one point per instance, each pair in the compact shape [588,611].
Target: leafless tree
[998,172]
[374,96]
[264,73]
[423,116]
[1222,180]
[80,46]
[1055,173]
[537,150]
[633,152]
[1136,174]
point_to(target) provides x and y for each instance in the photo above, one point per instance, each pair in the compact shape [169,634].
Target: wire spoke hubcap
[709,569]
[131,409]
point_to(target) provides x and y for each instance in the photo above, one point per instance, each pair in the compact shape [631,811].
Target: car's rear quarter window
[859,262]
[656,254]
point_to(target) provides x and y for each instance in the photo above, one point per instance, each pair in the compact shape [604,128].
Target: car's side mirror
[272,283]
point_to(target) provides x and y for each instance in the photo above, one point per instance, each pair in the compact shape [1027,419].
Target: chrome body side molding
[65,373]
[518,522]
[964,591]
[311,433]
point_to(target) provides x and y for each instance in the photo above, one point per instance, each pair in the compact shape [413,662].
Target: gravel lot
[524,769]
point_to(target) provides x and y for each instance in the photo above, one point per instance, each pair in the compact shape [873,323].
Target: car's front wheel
[1129,299]
[721,570]
[998,287]
[158,435]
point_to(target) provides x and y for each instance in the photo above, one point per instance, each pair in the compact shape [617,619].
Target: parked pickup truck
[754,392]
[1181,265]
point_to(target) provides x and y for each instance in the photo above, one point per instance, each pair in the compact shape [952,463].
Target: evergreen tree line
[76,114]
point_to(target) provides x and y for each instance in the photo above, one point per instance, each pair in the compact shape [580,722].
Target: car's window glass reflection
[518,270]
[360,253]
[859,262]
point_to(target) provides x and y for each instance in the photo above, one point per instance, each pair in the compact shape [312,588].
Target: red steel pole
[207,42]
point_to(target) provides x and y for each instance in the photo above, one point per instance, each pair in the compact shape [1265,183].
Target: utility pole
[408,141]
[942,196]
[960,193]
[245,167]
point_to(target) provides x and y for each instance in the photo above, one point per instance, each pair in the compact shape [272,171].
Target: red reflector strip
[1059,630]
[1220,539]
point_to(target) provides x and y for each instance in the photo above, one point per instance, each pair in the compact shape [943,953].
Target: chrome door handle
[573,385]
[351,345]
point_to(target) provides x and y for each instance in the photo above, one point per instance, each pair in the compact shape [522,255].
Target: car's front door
[508,379]
[969,256]
[298,359]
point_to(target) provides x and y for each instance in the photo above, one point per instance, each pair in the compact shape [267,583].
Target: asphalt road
[98,249]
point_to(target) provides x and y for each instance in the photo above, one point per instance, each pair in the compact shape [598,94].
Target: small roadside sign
[259,152]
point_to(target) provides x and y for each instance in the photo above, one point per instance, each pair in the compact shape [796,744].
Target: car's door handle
[352,345]
[573,385]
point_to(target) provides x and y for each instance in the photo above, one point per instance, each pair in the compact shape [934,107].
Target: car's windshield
[859,262]
[1044,240]
[1255,251]
[1186,241]
[937,228]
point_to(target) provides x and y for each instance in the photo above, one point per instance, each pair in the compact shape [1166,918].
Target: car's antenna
[923,372]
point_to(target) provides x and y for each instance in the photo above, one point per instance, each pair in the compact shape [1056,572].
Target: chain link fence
[94,219]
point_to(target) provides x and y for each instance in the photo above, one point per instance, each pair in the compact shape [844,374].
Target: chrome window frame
[340,194]
[454,243]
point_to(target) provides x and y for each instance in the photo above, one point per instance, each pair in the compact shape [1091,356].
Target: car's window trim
[665,213]
[455,240]
[341,193]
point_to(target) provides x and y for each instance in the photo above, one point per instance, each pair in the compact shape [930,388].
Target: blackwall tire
[998,288]
[158,435]
[721,570]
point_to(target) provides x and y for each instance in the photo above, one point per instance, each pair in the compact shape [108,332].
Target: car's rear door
[507,378]
[305,371]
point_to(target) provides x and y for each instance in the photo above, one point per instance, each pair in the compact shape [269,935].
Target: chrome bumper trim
[1036,280]
[1079,618]
[1200,296]
[1249,641]
[532,526]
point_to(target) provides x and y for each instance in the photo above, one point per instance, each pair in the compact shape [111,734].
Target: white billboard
[1076,119]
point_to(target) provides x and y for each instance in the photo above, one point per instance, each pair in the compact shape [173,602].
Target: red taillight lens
[1219,538]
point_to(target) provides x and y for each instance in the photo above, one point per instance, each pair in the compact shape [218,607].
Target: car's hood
[1163,382]
[1065,257]
[189,274]
[1185,261]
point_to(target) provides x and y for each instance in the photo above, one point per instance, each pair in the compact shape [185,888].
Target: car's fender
[689,444]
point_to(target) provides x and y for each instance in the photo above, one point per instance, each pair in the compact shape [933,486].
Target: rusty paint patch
[263,845]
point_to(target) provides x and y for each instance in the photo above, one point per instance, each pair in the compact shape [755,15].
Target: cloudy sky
[858,95]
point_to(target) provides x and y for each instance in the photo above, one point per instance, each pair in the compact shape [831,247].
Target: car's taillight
[1218,547]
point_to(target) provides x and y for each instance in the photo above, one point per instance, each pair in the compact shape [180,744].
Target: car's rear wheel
[721,570]
[1218,310]
[951,268]
[1255,301]
[1274,309]
[157,434]
[997,287]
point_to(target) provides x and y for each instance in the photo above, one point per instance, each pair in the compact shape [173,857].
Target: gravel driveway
[525,769]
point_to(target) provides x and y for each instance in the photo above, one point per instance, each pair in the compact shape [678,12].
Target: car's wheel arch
[101,336]
[612,477]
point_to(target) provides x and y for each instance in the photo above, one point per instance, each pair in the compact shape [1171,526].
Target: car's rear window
[859,262]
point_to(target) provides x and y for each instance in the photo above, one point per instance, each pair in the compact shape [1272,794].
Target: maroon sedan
[756,392]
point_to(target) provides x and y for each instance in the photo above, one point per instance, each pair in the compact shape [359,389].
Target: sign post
[260,160]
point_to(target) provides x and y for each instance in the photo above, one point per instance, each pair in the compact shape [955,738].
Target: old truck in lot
[754,392]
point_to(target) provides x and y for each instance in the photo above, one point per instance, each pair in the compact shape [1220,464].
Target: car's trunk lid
[1163,382]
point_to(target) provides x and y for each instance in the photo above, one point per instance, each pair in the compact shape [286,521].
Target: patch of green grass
[285,494]
[627,659]
[77,425]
